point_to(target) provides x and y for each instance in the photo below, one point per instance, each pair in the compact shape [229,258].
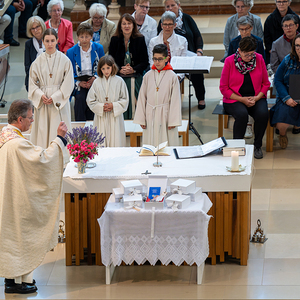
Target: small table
[135,132]
[166,235]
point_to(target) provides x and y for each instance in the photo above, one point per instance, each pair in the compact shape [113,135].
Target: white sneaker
[249,132]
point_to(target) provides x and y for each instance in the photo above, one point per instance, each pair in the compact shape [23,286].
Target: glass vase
[81,167]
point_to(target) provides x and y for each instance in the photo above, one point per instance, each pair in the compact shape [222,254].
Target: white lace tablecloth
[178,236]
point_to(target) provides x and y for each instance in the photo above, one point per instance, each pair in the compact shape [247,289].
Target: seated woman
[84,57]
[176,44]
[63,27]
[286,111]
[245,25]
[33,47]
[146,25]
[244,84]
[243,8]
[129,50]
[103,29]
[187,27]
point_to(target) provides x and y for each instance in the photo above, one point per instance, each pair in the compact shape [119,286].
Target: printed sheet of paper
[191,62]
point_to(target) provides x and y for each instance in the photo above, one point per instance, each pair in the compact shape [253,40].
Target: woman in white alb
[108,99]
[50,86]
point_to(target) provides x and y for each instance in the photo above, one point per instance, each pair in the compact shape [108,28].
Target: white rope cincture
[152,222]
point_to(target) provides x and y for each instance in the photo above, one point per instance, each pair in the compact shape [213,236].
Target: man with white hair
[30,185]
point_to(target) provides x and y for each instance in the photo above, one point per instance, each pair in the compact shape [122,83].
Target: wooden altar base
[228,231]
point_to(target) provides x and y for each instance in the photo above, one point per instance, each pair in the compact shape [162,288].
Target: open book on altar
[199,151]
[192,63]
[148,150]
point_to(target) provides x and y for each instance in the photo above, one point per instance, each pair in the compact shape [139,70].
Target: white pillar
[114,11]
[79,5]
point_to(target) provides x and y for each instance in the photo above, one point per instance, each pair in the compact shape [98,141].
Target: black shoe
[12,42]
[9,282]
[258,154]
[23,36]
[23,288]
[296,130]
[201,106]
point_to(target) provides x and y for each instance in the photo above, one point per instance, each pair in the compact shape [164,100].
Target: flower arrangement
[83,143]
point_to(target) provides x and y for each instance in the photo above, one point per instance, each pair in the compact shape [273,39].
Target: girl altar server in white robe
[108,99]
[159,103]
[51,82]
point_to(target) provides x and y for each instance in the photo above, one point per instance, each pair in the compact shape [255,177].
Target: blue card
[153,191]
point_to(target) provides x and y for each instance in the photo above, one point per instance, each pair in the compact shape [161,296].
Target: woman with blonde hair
[34,47]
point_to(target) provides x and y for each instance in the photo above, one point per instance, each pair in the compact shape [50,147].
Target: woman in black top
[129,50]
[186,26]
[34,46]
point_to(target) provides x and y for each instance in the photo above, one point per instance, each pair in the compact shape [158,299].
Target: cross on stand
[146,173]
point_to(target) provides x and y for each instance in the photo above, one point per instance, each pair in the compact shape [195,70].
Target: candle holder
[258,235]
[61,232]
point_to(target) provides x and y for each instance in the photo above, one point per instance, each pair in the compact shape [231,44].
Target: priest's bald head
[20,114]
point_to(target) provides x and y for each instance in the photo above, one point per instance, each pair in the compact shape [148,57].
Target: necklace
[107,83]
[51,71]
[157,85]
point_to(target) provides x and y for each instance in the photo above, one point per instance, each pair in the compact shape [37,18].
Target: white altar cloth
[178,236]
[114,164]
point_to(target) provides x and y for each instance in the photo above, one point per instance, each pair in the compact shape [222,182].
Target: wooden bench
[134,131]
[223,123]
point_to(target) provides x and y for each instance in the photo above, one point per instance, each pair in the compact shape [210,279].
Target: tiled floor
[273,270]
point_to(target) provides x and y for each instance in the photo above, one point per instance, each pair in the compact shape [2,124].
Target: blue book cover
[153,191]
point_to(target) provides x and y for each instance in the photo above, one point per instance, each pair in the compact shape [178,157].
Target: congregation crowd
[249,49]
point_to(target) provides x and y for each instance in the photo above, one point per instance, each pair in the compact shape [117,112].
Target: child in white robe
[108,100]
[159,103]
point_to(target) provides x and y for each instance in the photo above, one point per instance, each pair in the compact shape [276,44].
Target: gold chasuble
[30,192]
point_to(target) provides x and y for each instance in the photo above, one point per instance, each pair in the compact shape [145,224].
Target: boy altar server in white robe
[50,82]
[108,99]
[30,185]
[159,102]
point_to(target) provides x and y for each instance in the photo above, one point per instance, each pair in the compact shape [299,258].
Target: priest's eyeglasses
[158,59]
[30,118]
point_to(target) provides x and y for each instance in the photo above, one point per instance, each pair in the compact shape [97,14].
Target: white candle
[234,160]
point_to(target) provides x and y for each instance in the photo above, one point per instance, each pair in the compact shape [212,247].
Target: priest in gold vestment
[30,192]
[50,82]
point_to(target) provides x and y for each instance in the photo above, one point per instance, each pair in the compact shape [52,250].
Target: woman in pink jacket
[63,27]
[244,84]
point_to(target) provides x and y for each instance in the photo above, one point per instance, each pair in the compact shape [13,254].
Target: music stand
[181,64]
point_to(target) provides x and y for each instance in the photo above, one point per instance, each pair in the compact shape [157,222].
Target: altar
[86,196]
